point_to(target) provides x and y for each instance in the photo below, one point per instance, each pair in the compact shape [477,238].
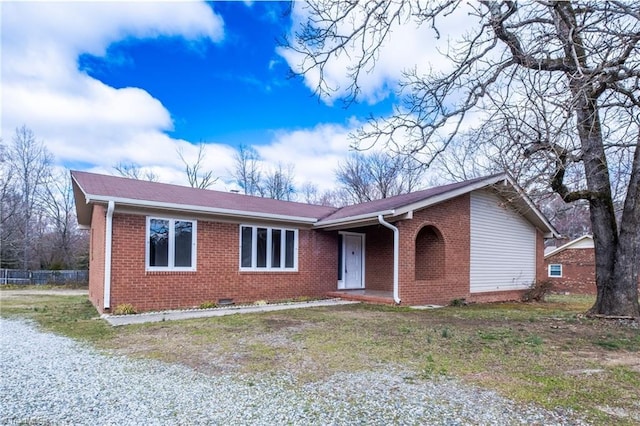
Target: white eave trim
[354,220]
[200,209]
[448,195]
[568,245]
[410,208]
[533,208]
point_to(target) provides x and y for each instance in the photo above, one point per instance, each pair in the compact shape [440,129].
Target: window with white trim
[171,244]
[555,270]
[265,248]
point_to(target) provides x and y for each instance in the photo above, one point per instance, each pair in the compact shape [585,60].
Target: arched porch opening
[429,254]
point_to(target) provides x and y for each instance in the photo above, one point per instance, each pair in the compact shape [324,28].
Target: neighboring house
[572,266]
[159,246]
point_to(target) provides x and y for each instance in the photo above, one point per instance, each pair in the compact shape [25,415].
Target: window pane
[158,242]
[276,243]
[289,246]
[555,270]
[262,248]
[183,243]
[246,246]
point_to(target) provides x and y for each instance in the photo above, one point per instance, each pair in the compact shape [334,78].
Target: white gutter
[351,220]
[107,255]
[396,256]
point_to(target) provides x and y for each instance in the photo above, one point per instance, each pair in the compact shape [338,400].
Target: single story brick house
[158,246]
[572,266]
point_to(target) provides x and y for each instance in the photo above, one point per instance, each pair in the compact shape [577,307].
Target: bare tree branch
[555,83]
[197,177]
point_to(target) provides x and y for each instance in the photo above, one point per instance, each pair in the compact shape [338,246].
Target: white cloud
[407,46]
[84,121]
[79,118]
[314,152]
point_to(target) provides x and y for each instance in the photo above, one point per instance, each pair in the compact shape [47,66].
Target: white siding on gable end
[503,246]
[582,244]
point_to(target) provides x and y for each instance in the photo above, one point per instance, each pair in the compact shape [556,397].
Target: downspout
[396,256]
[107,255]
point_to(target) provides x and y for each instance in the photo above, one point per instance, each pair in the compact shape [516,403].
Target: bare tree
[570,219]
[197,177]
[9,206]
[64,243]
[134,171]
[247,170]
[30,163]
[576,65]
[310,192]
[278,183]
[375,175]
[354,177]
[333,198]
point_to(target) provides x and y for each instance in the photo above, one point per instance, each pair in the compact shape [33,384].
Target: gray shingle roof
[101,188]
[92,188]
[393,203]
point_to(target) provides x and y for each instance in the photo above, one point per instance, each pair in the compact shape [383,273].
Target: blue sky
[238,91]
[103,83]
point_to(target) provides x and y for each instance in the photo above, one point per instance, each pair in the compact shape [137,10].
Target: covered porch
[366,264]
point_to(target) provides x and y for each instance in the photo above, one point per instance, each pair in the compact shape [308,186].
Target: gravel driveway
[48,379]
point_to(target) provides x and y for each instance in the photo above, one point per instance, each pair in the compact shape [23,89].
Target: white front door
[353,261]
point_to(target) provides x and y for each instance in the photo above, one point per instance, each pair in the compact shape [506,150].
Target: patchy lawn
[546,353]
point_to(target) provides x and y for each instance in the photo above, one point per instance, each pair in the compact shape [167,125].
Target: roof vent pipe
[396,256]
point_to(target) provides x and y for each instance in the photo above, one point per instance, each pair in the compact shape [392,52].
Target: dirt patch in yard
[546,353]
[330,340]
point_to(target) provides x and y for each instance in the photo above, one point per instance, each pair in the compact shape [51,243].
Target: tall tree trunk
[619,294]
[616,255]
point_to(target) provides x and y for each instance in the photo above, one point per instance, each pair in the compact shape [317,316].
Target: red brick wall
[451,219]
[378,258]
[96,256]
[217,274]
[430,258]
[441,275]
[578,271]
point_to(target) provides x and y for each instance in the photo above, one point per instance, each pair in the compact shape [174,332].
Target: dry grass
[546,353]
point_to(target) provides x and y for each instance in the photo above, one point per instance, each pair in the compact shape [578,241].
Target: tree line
[38,226]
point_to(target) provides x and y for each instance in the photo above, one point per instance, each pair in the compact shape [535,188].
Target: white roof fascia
[200,209]
[448,195]
[353,219]
[414,206]
[533,207]
[567,245]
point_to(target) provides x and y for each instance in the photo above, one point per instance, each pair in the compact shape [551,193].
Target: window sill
[170,272]
[267,271]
